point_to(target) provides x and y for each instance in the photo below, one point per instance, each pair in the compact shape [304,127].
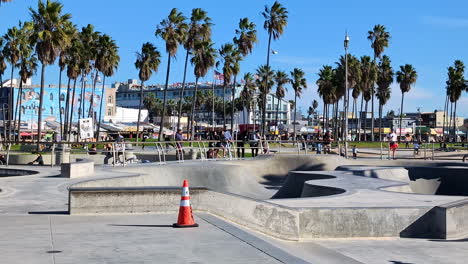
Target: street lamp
[346,96]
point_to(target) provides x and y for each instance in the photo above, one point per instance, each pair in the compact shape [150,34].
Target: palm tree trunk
[67,109]
[445,118]
[193,109]
[266,83]
[224,105]
[181,95]
[82,98]
[365,121]
[323,117]
[163,113]
[91,103]
[72,110]
[354,103]
[139,113]
[17,108]
[3,109]
[380,121]
[294,124]
[450,120]
[455,121]
[359,118]
[10,103]
[401,113]
[100,107]
[212,105]
[41,101]
[232,104]
[60,104]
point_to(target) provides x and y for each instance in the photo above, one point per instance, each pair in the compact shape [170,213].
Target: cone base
[184,226]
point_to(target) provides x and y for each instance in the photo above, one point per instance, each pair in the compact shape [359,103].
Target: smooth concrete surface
[81,168]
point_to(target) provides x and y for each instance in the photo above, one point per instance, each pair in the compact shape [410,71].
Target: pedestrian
[145,137]
[416,147]
[226,141]
[254,140]
[393,138]
[179,150]
[241,138]
[355,152]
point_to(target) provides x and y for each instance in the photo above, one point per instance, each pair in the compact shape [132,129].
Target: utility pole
[345,135]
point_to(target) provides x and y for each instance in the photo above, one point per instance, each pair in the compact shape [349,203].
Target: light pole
[346,43]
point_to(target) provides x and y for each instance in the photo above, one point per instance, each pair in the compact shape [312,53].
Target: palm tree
[314,107]
[368,77]
[199,30]
[89,39]
[3,65]
[281,79]
[406,77]
[107,61]
[203,59]
[276,20]
[229,59]
[147,62]
[172,30]
[456,84]
[50,36]
[379,38]
[384,80]
[12,54]
[247,93]
[326,87]
[298,83]
[264,83]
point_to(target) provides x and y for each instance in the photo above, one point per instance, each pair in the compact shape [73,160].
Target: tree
[326,89]
[406,77]
[368,77]
[73,58]
[2,68]
[50,35]
[276,20]
[247,92]
[107,61]
[199,30]
[379,38]
[203,59]
[384,80]
[172,30]
[456,84]
[264,83]
[147,63]
[229,60]
[11,52]
[298,83]
[281,79]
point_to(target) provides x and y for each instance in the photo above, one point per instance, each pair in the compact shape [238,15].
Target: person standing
[179,150]
[241,138]
[393,138]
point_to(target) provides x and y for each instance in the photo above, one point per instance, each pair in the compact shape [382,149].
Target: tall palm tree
[147,63]
[50,35]
[406,77]
[264,83]
[172,30]
[384,80]
[199,30]
[12,54]
[326,88]
[368,77]
[229,60]
[298,83]
[3,65]
[107,61]
[379,38]
[276,20]
[89,39]
[204,57]
[314,107]
[73,60]
[247,93]
[281,79]
[456,84]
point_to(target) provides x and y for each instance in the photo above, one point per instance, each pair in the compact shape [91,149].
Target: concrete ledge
[79,169]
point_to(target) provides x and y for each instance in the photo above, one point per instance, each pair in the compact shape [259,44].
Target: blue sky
[430,36]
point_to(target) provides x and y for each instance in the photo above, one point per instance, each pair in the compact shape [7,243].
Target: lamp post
[346,95]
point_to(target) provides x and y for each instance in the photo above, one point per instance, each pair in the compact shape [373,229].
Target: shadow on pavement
[143,225]
[48,213]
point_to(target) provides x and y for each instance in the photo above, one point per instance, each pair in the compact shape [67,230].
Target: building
[53,108]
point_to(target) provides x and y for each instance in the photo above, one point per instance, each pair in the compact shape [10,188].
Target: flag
[218,76]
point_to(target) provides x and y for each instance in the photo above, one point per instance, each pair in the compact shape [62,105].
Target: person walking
[179,150]
[393,138]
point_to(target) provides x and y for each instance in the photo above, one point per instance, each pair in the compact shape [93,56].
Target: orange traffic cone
[185,218]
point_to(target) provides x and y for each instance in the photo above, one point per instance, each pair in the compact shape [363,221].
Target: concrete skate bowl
[16,172]
[434,179]
[259,178]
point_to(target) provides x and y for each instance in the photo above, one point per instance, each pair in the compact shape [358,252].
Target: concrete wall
[79,169]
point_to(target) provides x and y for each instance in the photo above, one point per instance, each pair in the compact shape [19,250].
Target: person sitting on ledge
[39,160]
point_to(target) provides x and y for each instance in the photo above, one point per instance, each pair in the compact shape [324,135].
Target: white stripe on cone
[185,191]
[184,202]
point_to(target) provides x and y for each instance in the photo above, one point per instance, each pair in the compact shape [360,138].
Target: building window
[51,110]
[109,99]
[51,96]
[109,111]
[62,97]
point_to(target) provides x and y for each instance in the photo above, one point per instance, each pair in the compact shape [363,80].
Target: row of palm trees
[456,84]
[50,35]
[367,78]
[194,35]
